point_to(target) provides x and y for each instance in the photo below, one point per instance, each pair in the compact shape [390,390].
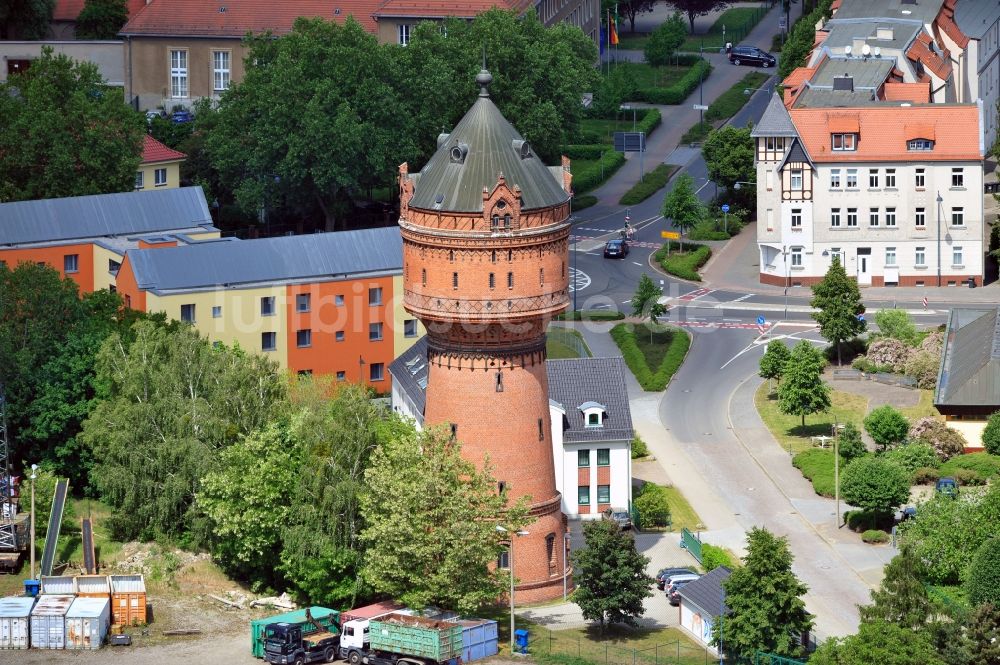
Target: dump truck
[300,643]
[399,639]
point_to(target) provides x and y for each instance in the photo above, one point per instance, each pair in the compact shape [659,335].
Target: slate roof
[572,383]
[492,144]
[970,364]
[975,18]
[210,264]
[103,215]
[706,592]
[576,382]
[154,151]
[775,121]
[922,11]
[446,8]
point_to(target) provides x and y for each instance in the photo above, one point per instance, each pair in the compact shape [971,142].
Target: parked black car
[662,575]
[674,597]
[616,249]
[751,55]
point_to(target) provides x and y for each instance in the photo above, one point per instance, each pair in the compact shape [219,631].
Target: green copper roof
[481,147]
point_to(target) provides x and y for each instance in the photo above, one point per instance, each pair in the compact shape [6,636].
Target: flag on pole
[612,30]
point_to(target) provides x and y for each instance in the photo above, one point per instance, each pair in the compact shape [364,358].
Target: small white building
[702,603]
[591,426]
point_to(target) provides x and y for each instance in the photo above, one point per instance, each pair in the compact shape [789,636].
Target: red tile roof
[921,50]
[68,10]
[884,130]
[946,21]
[206,18]
[917,93]
[154,151]
[443,8]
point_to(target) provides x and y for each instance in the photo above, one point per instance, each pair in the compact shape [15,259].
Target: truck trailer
[300,643]
[399,639]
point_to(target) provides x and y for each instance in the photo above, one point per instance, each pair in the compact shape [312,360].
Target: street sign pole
[725,213]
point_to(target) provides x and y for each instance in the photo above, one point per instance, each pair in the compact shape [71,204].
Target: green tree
[902,597]
[839,303]
[984,629]
[653,506]
[101,19]
[766,610]
[991,434]
[646,302]
[878,642]
[875,484]
[169,403]
[431,523]
[681,204]
[886,426]
[772,363]
[66,132]
[983,585]
[729,155]
[897,324]
[610,575]
[247,497]
[802,391]
[665,40]
[695,8]
[850,445]
[25,19]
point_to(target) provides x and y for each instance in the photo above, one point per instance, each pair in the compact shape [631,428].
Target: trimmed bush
[925,475]
[874,484]
[984,465]
[890,353]
[817,466]
[991,434]
[679,91]
[945,441]
[874,536]
[591,315]
[968,478]
[588,177]
[983,585]
[650,121]
[731,101]
[683,264]
[708,230]
[654,510]
[913,456]
[639,447]
[886,426]
[651,379]
[651,183]
[585,151]
[923,366]
[583,202]
[712,557]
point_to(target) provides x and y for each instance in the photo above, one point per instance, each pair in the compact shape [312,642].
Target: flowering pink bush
[946,442]
[889,353]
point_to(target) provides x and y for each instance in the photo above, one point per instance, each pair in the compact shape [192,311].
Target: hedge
[591,315]
[651,183]
[654,510]
[651,119]
[875,536]
[585,151]
[588,177]
[624,336]
[684,265]
[984,465]
[817,466]
[713,556]
[678,92]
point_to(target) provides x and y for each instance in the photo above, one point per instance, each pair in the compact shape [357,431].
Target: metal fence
[691,543]
[737,33]
[761,658]
[568,338]
[677,652]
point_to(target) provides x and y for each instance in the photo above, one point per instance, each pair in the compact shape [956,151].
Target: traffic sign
[672,235]
[630,141]
[761,321]
[925,302]
[700,107]
[725,207]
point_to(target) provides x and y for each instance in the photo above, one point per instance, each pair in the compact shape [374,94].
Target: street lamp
[939,200]
[836,468]
[701,90]
[566,537]
[510,566]
[629,107]
[747,91]
[739,184]
[34,474]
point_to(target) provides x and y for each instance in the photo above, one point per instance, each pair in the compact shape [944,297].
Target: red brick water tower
[485,229]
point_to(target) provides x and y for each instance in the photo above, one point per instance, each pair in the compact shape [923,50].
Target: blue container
[479,639]
[31,587]
[521,640]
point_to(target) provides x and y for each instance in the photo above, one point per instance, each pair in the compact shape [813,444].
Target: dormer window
[920,144]
[593,414]
[843,142]
[593,419]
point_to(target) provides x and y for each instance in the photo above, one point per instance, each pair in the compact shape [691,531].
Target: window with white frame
[844,141]
[138,180]
[918,179]
[796,218]
[956,256]
[872,216]
[374,332]
[221,72]
[796,257]
[834,178]
[179,74]
[852,178]
[921,256]
[404,34]
[890,217]
[920,144]
[957,176]
[796,179]
[919,218]
[852,217]
[410,328]
[160,177]
[835,217]
[890,178]
[873,178]
[958,216]
[890,256]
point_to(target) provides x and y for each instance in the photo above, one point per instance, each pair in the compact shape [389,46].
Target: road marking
[697,293]
[578,280]
[742,298]
[636,263]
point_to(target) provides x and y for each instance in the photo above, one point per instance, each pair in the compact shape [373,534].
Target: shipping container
[58,585]
[326,617]
[15,620]
[479,639]
[416,636]
[93,586]
[370,611]
[87,623]
[48,622]
[128,600]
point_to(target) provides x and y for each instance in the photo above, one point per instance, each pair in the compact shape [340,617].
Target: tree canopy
[101,19]
[902,597]
[25,19]
[879,642]
[665,40]
[66,132]
[838,300]
[681,204]
[983,585]
[875,484]
[772,363]
[887,426]
[729,155]
[696,8]
[802,391]
[646,300]
[610,575]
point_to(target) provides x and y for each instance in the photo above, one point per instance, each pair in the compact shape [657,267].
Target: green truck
[327,618]
[399,639]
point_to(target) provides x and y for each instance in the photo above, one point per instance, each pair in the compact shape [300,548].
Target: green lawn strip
[591,315]
[651,183]
[925,407]
[817,466]
[731,101]
[590,174]
[682,515]
[618,644]
[738,20]
[633,41]
[684,260]
[563,343]
[584,202]
[697,133]
[845,408]
[654,358]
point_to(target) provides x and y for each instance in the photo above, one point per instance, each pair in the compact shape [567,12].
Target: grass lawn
[648,76]
[845,407]
[654,347]
[651,183]
[633,41]
[682,515]
[583,202]
[924,408]
[618,644]
[603,129]
[653,353]
[565,343]
[733,19]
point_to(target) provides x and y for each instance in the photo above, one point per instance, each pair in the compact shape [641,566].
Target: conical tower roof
[482,147]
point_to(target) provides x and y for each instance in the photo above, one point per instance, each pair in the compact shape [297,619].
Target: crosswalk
[715,324]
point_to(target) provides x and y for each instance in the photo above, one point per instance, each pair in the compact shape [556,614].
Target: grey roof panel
[268,259]
[866,73]
[775,121]
[490,140]
[975,18]
[580,381]
[706,592]
[409,373]
[922,10]
[970,364]
[102,215]
[843,32]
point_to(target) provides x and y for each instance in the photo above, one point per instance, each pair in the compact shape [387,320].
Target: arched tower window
[506,222]
[493,256]
[494,222]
